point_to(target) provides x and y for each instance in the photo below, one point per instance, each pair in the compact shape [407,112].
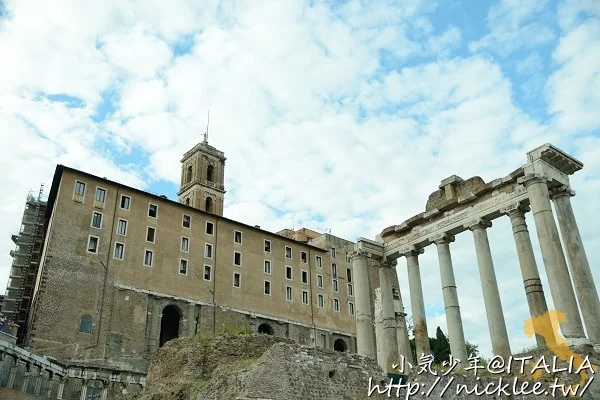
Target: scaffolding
[26,262]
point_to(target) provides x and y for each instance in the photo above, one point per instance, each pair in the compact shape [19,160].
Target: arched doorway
[340,345]
[265,329]
[208,204]
[169,324]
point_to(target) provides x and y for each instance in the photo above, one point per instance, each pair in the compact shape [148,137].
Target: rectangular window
[323,340]
[79,188]
[288,293]
[320,281]
[208,250]
[93,244]
[119,251]
[122,227]
[100,195]
[304,297]
[185,244]
[334,271]
[209,228]
[333,252]
[148,255]
[288,252]
[267,246]
[186,222]
[319,261]
[96,220]
[320,301]
[334,282]
[303,256]
[125,202]
[267,288]
[351,308]
[336,305]
[237,278]
[305,277]
[267,267]
[183,265]
[152,210]
[150,234]
[237,258]
[288,273]
[237,237]
[207,272]
[349,275]
[350,290]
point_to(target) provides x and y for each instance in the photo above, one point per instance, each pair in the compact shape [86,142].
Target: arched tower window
[210,172]
[187,201]
[208,204]
[85,324]
[189,174]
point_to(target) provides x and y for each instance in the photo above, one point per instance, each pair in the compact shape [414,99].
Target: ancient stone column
[191,319]
[529,271]
[154,321]
[365,340]
[13,372]
[61,387]
[404,350]
[554,258]
[83,390]
[37,375]
[389,351]
[417,304]
[456,334]
[583,279]
[489,285]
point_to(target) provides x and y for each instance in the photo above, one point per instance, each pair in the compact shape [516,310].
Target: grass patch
[202,339]
[241,365]
[234,330]
[201,383]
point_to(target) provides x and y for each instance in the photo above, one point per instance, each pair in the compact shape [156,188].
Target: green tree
[440,347]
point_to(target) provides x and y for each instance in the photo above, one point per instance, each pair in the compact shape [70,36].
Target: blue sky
[337,115]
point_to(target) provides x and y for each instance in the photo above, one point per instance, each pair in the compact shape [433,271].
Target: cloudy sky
[341,115]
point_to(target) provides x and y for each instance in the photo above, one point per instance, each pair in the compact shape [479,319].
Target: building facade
[123,271]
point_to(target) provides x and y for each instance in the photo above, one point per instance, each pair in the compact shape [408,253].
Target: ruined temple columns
[365,340]
[456,334]
[531,277]
[389,352]
[489,285]
[580,267]
[417,304]
[553,256]
[402,332]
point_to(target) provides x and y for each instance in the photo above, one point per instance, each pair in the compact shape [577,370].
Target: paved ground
[10,394]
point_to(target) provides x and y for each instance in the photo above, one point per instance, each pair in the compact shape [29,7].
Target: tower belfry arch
[203,177]
[471,205]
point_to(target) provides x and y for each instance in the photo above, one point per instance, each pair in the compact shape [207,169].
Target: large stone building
[122,271]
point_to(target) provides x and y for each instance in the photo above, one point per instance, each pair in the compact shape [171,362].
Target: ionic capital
[478,224]
[443,238]
[516,210]
[562,190]
[530,179]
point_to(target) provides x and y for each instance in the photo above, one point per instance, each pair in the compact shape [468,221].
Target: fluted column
[529,271]
[489,285]
[389,352]
[456,334]
[553,257]
[417,303]
[583,279]
[365,339]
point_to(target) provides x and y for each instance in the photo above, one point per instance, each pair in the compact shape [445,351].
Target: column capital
[530,179]
[360,254]
[562,190]
[413,252]
[516,210]
[478,224]
[443,238]
[387,263]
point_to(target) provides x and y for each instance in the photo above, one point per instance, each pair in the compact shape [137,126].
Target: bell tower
[202,178]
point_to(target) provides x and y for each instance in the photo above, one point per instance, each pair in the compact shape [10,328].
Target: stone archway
[169,324]
[265,329]
[340,345]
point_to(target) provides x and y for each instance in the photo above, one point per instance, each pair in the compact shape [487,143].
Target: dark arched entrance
[169,324]
[265,329]
[340,345]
